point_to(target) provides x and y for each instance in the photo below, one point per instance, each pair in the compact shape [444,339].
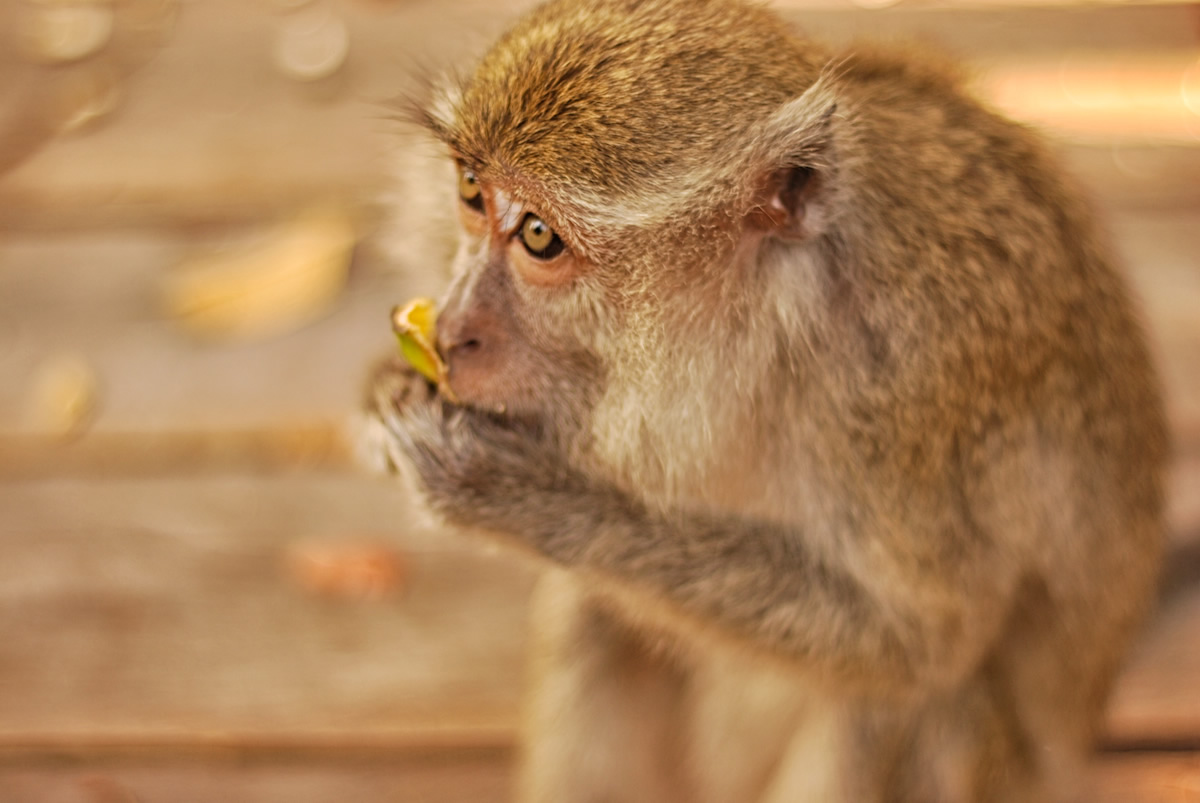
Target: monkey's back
[1008,358]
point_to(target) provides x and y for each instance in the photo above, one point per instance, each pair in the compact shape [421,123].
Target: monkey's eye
[539,239]
[469,190]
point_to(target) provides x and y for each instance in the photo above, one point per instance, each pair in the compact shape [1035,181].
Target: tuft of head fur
[592,104]
[601,92]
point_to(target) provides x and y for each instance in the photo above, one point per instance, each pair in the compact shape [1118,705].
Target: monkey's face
[611,224]
[593,336]
[520,325]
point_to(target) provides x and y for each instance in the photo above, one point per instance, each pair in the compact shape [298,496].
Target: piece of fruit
[415,325]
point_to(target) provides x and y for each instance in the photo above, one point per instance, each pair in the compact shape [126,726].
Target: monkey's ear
[791,167]
[781,201]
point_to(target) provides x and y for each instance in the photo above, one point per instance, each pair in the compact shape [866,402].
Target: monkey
[811,383]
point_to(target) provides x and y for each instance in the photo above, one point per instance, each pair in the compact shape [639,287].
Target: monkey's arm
[760,582]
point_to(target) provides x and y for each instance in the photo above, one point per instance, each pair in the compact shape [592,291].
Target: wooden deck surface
[203,599]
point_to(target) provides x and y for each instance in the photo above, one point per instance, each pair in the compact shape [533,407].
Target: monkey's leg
[603,715]
[741,714]
[1020,730]
[960,746]
[966,745]
[843,752]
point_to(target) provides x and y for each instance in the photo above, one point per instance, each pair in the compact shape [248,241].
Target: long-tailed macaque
[811,382]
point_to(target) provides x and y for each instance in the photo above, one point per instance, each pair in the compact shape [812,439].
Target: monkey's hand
[473,468]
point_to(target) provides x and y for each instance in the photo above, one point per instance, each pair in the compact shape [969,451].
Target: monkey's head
[614,224]
[711,257]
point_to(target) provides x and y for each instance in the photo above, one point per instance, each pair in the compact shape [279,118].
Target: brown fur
[836,411]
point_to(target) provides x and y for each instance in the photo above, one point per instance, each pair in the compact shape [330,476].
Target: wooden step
[185,609]
[453,778]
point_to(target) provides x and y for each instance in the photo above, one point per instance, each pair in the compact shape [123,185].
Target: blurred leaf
[276,285]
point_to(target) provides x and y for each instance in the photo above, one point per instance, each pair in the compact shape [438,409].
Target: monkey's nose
[462,336]
[460,348]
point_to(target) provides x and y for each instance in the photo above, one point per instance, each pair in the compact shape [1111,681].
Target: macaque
[810,381]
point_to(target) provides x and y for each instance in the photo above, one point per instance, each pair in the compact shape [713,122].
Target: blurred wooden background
[203,598]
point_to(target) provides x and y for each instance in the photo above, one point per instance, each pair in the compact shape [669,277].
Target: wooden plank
[1125,176]
[1162,253]
[138,612]
[1148,778]
[484,778]
[965,5]
[147,454]
[1183,500]
[1156,704]
[212,130]
[98,296]
[198,138]
[1102,98]
[144,611]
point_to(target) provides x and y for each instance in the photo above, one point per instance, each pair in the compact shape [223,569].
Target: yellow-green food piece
[415,327]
